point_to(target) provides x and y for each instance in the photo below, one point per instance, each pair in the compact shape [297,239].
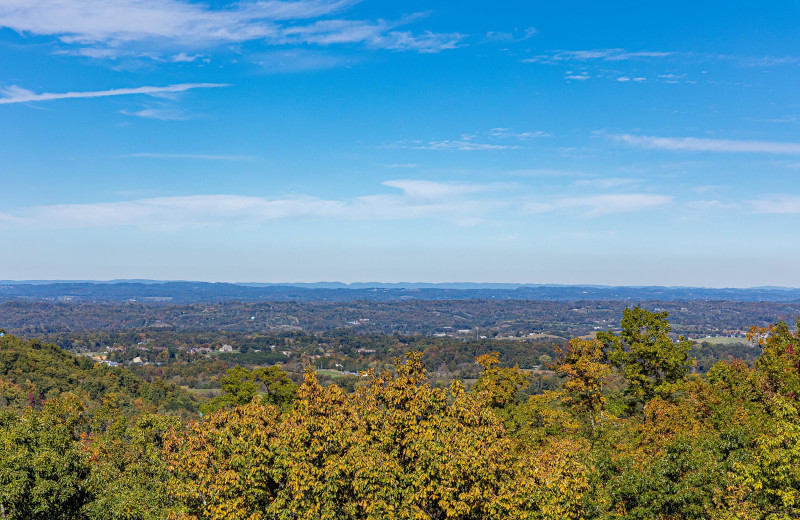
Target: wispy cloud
[421,189]
[417,199]
[794,118]
[107,29]
[400,165]
[608,182]
[604,204]
[198,156]
[506,133]
[707,188]
[459,203]
[777,204]
[494,139]
[543,172]
[596,54]
[5,217]
[162,114]
[705,205]
[15,94]
[764,61]
[696,144]
[462,145]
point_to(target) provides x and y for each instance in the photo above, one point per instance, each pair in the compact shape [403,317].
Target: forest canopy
[630,431]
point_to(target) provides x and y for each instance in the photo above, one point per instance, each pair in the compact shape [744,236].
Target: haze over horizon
[578,143]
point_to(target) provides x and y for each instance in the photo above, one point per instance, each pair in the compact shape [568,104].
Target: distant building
[226,348]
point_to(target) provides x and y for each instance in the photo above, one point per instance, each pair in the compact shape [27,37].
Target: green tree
[651,362]
[279,389]
[771,478]
[43,468]
[128,473]
[238,387]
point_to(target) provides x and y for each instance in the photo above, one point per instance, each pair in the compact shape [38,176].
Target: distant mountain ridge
[154,291]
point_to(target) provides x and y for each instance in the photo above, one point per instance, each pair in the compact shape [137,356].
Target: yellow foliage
[397,448]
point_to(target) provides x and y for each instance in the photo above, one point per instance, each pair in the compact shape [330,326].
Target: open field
[722,340]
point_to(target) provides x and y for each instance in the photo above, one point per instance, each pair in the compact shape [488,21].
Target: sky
[572,142]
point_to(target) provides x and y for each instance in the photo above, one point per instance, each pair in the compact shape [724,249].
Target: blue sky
[540,142]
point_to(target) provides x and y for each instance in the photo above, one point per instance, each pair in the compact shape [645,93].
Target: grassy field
[332,373]
[721,340]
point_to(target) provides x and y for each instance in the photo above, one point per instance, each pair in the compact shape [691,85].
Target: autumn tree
[581,364]
[498,384]
[398,448]
[779,362]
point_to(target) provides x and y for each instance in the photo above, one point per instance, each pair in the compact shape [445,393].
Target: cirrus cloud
[15,94]
[697,144]
[111,28]
[603,204]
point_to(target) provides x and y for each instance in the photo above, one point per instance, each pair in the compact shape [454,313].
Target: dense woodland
[635,423]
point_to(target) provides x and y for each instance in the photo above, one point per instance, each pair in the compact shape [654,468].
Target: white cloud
[464,145]
[695,144]
[494,139]
[511,37]
[400,165]
[543,172]
[778,204]
[182,57]
[417,199]
[712,205]
[597,54]
[4,217]
[108,28]
[419,189]
[180,211]
[604,204]
[672,78]
[609,182]
[92,21]
[505,133]
[16,94]
[463,204]
[707,188]
[162,114]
